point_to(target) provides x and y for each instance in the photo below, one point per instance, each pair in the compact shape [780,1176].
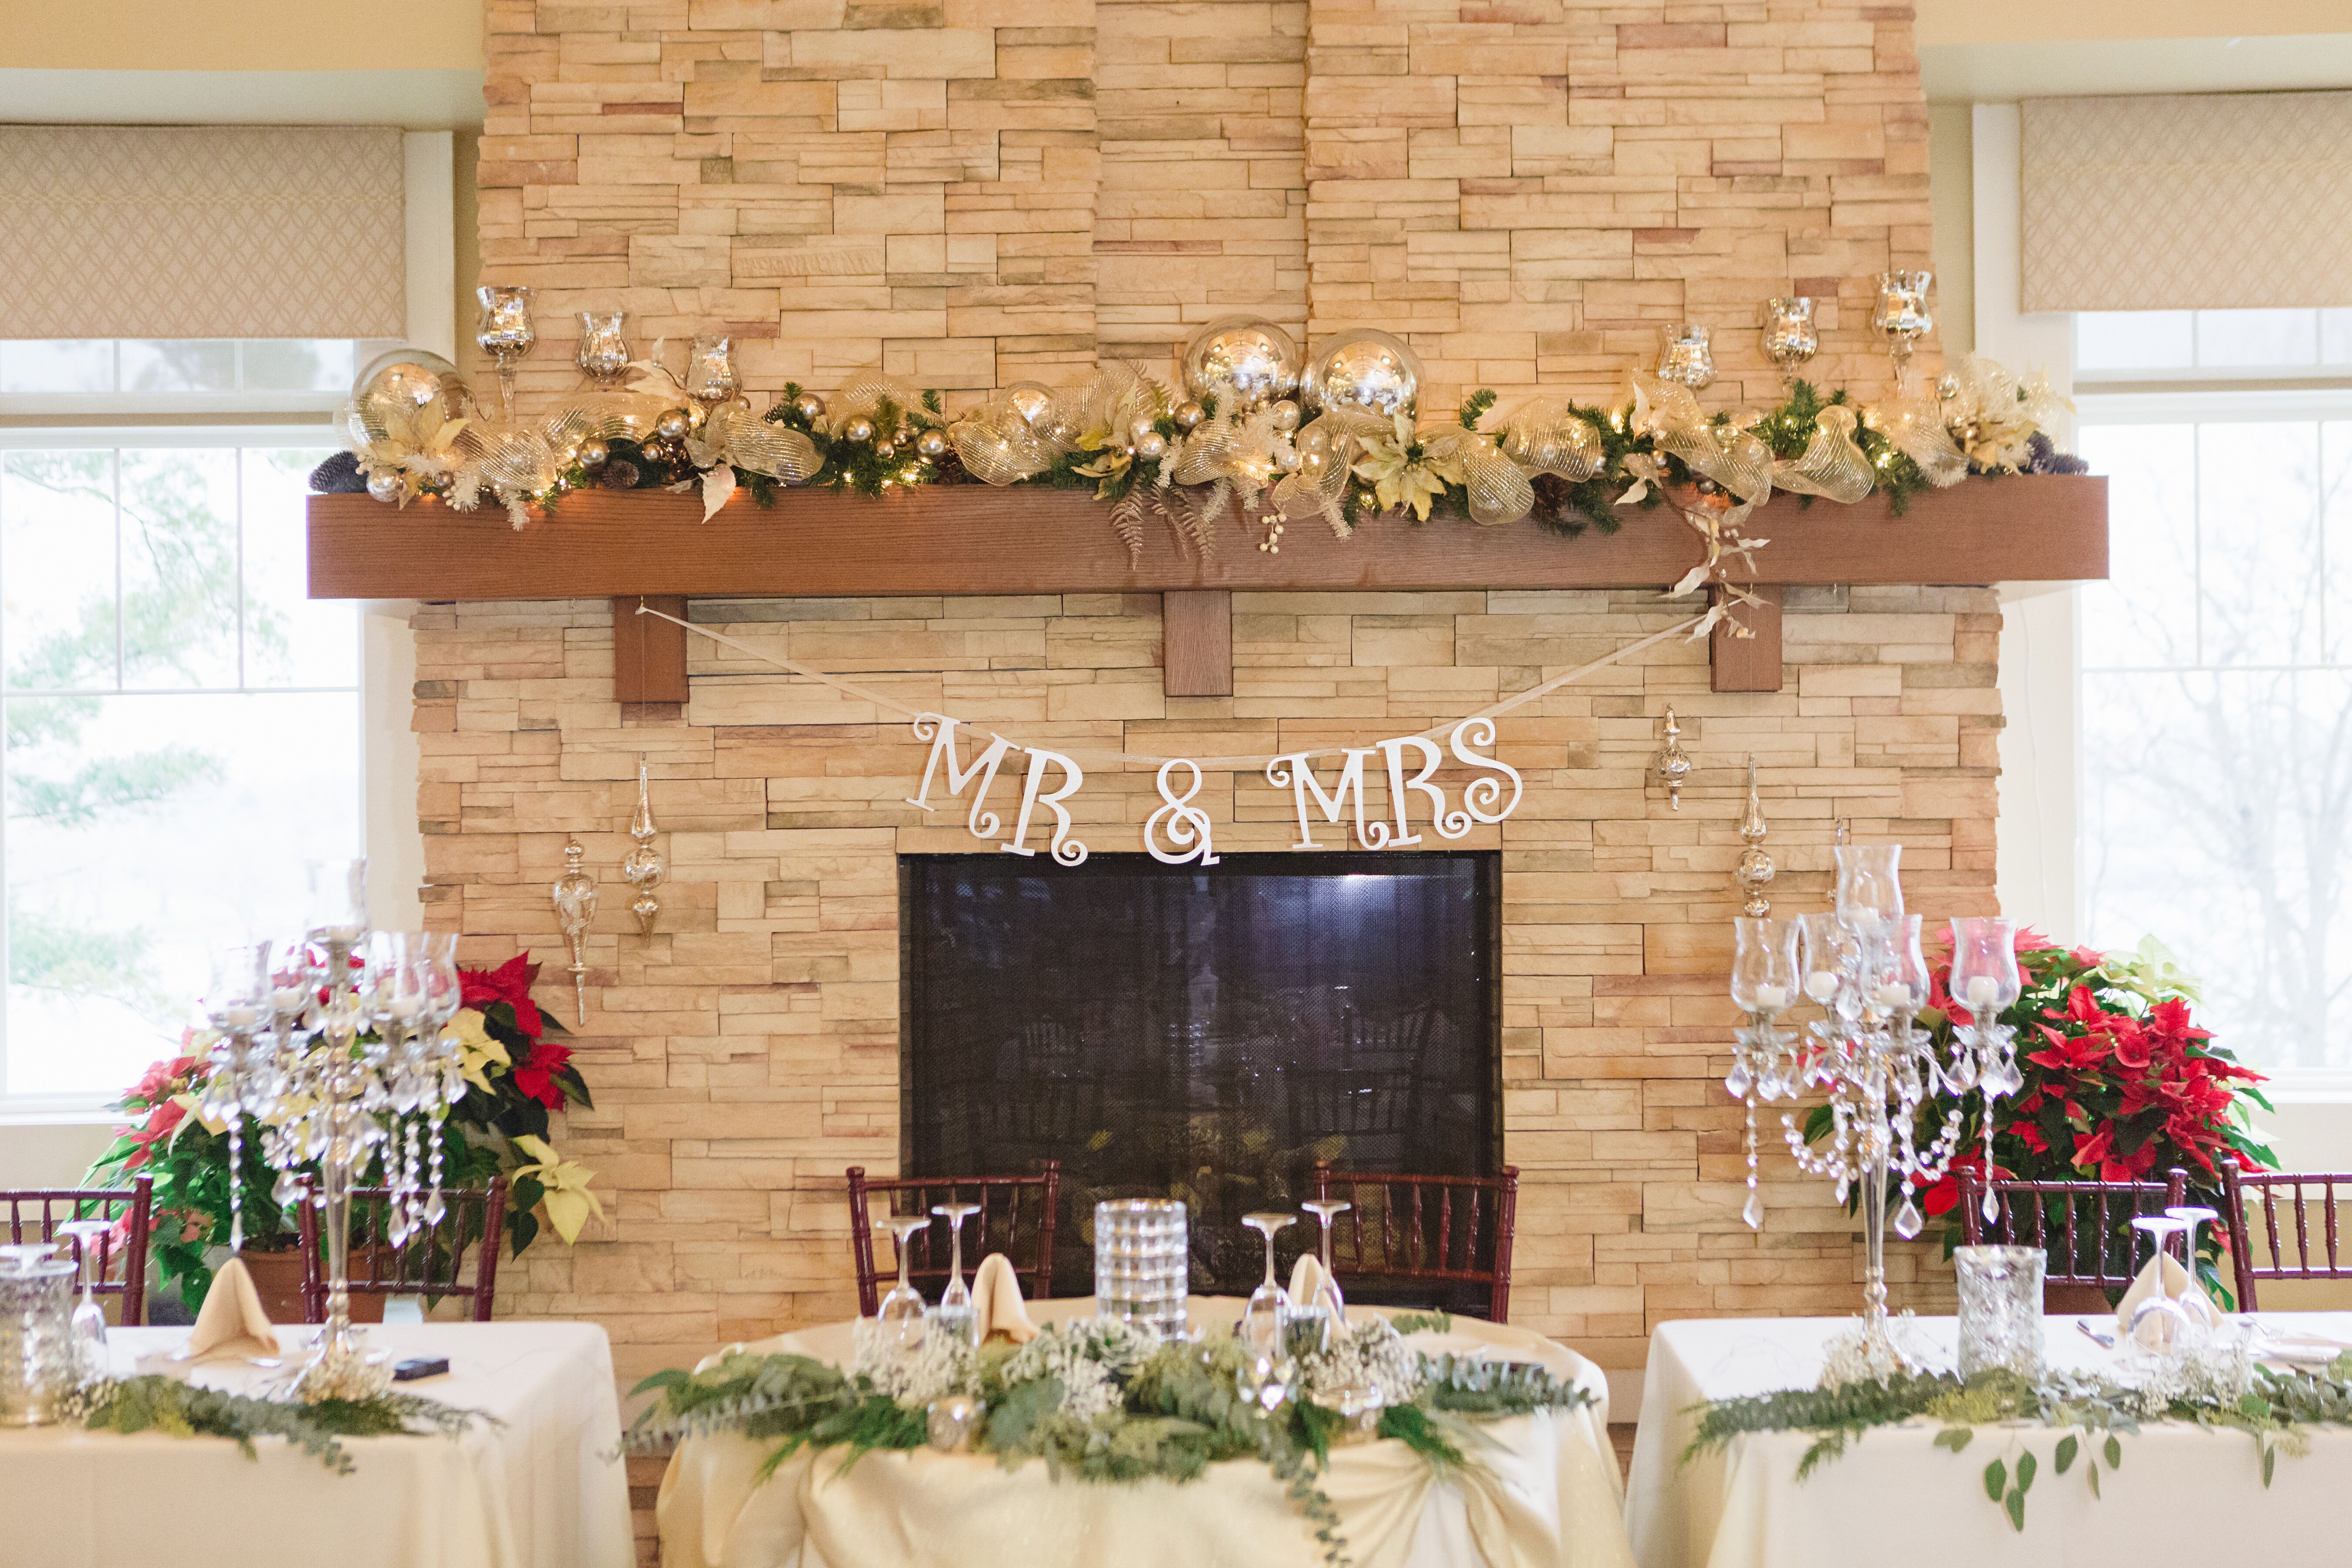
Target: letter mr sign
[1411,762]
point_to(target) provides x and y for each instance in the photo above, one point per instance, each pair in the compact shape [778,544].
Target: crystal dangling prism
[1737,1083]
[1991,1208]
[1907,1220]
[1754,1213]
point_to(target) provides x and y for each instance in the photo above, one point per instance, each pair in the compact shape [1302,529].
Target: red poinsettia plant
[2120,1083]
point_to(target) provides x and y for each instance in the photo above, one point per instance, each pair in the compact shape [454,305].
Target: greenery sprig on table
[2090,1414]
[153,1403]
[1098,1401]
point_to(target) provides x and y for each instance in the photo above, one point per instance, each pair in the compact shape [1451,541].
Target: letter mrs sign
[1186,827]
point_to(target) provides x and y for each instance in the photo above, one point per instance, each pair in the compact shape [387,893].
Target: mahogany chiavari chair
[1402,1229]
[2085,1226]
[431,1263]
[35,1214]
[1015,1218]
[2302,1190]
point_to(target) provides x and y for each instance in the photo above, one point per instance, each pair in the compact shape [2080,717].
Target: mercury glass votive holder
[38,1361]
[2001,1308]
[1141,1264]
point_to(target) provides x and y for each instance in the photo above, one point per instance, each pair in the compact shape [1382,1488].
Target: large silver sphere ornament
[416,375]
[885,448]
[932,444]
[1142,425]
[859,430]
[1285,415]
[1314,440]
[1189,414]
[1152,445]
[593,453]
[672,424]
[809,407]
[1242,361]
[384,487]
[1365,369]
[1034,401]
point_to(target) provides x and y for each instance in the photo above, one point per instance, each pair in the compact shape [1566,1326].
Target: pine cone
[339,476]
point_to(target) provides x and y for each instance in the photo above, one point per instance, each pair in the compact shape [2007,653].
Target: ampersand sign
[1187,824]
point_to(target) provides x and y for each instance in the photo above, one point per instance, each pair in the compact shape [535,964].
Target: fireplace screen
[1164,1031]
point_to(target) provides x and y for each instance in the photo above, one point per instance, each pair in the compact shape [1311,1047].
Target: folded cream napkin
[232,1322]
[2177,1285]
[996,1301]
[1306,1279]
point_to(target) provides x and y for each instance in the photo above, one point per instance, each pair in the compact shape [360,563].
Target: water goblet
[900,1312]
[1268,1315]
[2160,1327]
[88,1318]
[1329,1303]
[955,1312]
[2194,1300]
[505,333]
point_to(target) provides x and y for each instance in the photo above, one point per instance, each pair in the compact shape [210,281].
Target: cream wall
[242,35]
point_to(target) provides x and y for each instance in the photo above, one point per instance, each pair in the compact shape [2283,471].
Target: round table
[1543,1492]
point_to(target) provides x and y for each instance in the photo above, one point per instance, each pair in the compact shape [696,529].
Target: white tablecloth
[1546,1495]
[538,1492]
[2184,1494]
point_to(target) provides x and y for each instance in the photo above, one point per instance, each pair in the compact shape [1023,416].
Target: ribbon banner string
[1692,626]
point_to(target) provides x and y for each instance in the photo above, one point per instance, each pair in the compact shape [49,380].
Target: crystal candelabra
[1862,965]
[334,1041]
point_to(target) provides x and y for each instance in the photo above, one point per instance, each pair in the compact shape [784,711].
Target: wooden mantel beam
[977,540]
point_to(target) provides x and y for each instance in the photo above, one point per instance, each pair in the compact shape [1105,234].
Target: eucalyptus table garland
[155,1403]
[1098,1401]
[2276,1407]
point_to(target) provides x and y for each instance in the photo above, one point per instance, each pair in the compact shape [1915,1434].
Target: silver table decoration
[1141,1265]
[2000,1308]
[39,1364]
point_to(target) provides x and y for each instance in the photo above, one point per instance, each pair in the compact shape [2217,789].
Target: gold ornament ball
[672,425]
[809,407]
[384,487]
[1189,414]
[1151,446]
[885,448]
[859,430]
[415,375]
[932,444]
[593,454]
[1140,426]
[1034,401]
[1285,415]
[1245,361]
[1363,369]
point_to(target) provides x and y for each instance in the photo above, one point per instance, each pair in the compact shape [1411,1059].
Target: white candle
[239,1016]
[1894,995]
[1772,998]
[1822,985]
[1982,989]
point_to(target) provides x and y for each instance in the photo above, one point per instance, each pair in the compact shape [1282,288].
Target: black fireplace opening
[1168,1031]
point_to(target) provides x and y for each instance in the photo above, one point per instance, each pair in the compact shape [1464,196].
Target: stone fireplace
[749,1051]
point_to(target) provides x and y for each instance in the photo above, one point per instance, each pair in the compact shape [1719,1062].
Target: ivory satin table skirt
[1549,1496]
[2183,1494]
[538,1492]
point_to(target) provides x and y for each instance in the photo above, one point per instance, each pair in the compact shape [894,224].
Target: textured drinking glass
[1142,1269]
[2000,1308]
[37,1359]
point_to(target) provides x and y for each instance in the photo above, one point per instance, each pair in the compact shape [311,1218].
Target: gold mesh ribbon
[735,437]
[862,397]
[1499,489]
[1545,436]
[997,446]
[1735,459]
[1914,428]
[1831,465]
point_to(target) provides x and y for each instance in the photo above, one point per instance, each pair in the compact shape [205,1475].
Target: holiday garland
[1098,1401]
[153,1403]
[2090,1414]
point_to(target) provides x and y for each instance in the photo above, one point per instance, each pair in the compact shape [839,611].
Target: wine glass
[2194,1300]
[900,1312]
[1268,1312]
[2160,1327]
[1328,1302]
[88,1319]
[955,1301]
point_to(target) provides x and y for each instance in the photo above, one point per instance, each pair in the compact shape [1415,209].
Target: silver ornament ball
[932,444]
[593,453]
[885,448]
[1365,369]
[1034,401]
[1140,426]
[672,425]
[384,487]
[1151,446]
[809,407]
[858,429]
[1285,415]
[1242,361]
[1189,414]
[415,374]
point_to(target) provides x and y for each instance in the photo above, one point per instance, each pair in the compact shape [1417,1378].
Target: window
[181,723]
[2216,668]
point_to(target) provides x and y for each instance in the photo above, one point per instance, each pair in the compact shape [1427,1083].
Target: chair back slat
[2091,1220]
[1016,1218]
[121,1263]
[1416,1228]
[431,1263]
[2263,1189]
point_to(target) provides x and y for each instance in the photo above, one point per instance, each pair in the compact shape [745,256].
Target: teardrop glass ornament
[1754,1213]
[1907,1220]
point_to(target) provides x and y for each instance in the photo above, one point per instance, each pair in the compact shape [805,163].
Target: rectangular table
[538,1491]
[2183,1494]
